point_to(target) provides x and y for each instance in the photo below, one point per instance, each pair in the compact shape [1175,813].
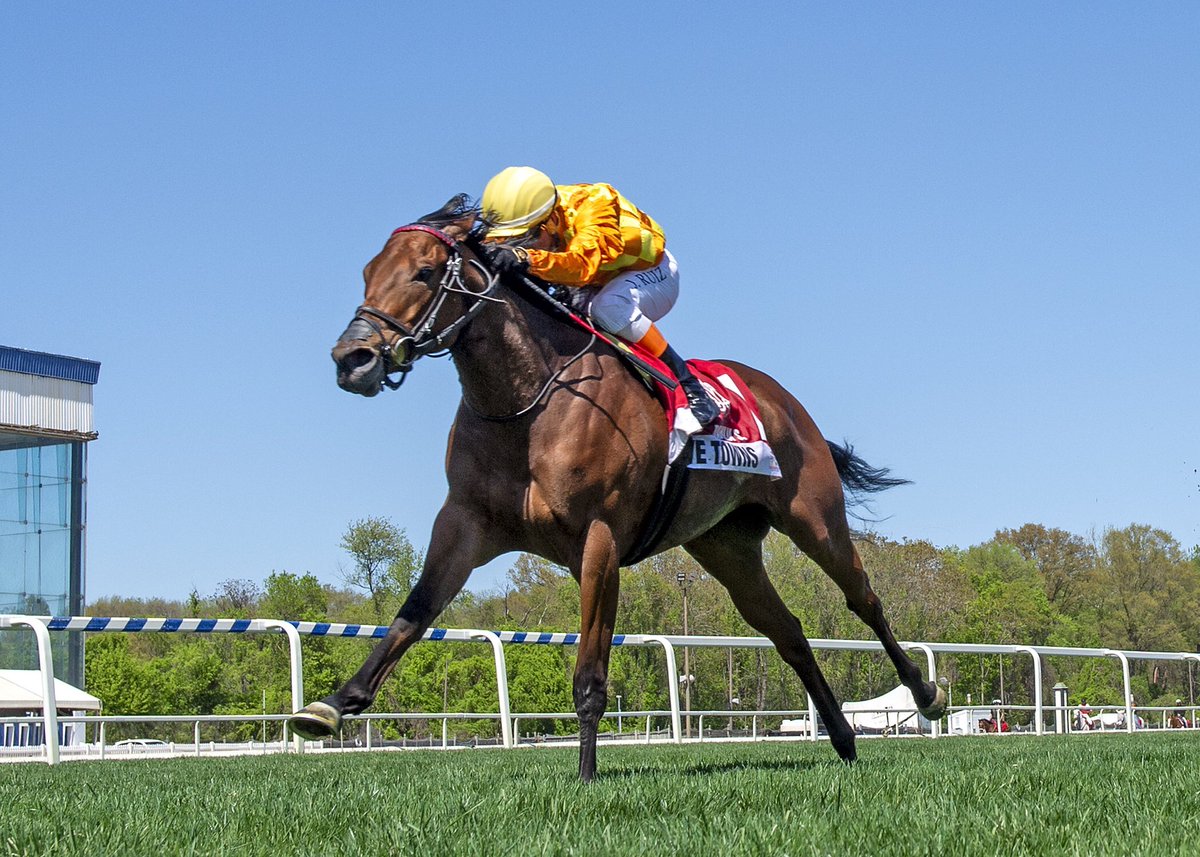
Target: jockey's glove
[506,260]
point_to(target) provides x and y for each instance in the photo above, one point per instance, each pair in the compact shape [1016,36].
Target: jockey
[589,236]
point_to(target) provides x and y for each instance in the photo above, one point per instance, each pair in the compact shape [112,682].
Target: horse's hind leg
[456,547]
[732,553]
[828,543]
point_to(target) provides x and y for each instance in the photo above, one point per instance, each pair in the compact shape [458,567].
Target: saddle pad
[735,441]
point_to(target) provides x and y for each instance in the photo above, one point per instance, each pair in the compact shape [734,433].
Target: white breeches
[632,301]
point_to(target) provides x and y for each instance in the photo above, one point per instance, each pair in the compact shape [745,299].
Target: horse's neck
[509,352]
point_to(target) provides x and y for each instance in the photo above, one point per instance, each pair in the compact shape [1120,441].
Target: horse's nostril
[356,359]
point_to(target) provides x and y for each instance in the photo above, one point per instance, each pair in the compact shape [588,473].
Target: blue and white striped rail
[305,629]
[295,630]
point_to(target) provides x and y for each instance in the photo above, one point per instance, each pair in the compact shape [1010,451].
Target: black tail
[858,477]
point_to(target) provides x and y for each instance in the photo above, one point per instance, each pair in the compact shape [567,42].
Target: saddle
[736,441]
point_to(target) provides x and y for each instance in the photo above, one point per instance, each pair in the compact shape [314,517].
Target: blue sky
[966,236]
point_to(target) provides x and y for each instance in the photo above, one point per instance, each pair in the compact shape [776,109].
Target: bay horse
[557,449]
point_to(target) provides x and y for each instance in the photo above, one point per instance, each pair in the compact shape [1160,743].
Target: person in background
[1179,716]
[1083,718]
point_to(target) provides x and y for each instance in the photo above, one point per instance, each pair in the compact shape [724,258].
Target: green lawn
[1084,795]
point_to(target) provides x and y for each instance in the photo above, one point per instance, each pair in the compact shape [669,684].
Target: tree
[236,597]
[385,561]
[540,594]
[1147,593]
[1063,559]
[297,597]
[125,683]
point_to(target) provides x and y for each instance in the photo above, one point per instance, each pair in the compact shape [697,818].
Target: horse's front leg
[599,579]
[457,546]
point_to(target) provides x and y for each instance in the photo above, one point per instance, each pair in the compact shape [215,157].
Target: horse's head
[421,290]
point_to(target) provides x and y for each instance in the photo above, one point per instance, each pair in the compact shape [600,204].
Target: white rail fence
[294,631]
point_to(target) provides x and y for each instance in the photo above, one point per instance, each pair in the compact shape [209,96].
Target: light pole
[685,581]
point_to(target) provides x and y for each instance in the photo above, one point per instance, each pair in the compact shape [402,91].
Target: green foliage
[125,683]
[1136,588]
[385,563]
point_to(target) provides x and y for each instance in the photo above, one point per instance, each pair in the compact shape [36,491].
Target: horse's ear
[455,218]
[460,227]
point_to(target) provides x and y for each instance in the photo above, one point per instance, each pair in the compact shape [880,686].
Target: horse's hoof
[315,721]
[937,708]
[844,746]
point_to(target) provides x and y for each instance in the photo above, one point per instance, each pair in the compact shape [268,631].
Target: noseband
[420,340]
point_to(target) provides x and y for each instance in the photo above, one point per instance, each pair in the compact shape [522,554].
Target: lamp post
[685,581]
[949,685]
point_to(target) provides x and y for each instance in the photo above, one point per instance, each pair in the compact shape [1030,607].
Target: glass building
[45,426]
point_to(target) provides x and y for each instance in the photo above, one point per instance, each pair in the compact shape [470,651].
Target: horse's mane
[462,206]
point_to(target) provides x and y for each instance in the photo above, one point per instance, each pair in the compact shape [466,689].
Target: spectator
[1083,716]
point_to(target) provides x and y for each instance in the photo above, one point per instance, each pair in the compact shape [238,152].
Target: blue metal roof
[49,365]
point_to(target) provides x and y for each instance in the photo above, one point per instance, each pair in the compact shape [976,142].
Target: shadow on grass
[709,768]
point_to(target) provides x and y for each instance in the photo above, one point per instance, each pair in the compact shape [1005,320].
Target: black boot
[704,409]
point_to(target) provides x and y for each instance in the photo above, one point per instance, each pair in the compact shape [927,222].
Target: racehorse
[557,449]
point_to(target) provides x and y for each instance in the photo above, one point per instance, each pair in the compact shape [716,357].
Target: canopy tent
[895,711]
[890,712]
[21,691]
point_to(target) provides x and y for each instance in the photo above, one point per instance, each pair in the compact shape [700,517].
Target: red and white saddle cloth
[735,441]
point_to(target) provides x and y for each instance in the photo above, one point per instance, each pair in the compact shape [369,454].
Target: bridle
[420,339]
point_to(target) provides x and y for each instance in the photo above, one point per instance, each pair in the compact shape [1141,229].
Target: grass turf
[1090,795]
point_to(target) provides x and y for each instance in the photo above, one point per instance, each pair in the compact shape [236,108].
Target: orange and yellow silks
[603,233]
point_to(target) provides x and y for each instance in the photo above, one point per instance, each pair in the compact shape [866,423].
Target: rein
[420,340]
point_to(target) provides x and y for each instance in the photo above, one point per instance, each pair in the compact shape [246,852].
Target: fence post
[935,726]
[506,732]
[1062,715]
[1038,713]
[1129,721]
[672,684]
[296,658]
[46,666]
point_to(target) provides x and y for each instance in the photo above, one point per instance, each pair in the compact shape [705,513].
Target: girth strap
[663,512]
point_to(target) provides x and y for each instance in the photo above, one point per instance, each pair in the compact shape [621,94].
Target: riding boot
[704,409]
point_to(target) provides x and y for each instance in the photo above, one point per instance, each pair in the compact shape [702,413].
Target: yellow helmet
[516,200]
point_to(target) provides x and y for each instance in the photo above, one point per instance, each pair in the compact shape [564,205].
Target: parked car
[141,742]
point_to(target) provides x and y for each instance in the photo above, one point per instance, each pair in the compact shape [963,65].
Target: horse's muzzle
[360,368]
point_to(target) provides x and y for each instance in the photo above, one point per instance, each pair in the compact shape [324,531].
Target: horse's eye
[424,274]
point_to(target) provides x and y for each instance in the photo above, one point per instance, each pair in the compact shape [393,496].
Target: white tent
[891,712]
[21,692]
